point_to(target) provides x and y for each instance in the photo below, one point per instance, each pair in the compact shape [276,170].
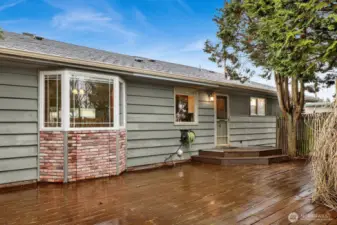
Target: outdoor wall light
[210,96]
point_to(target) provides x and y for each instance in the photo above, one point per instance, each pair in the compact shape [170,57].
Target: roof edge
[58,59]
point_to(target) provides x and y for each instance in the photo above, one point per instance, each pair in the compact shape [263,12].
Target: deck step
[260,160]
[241,152]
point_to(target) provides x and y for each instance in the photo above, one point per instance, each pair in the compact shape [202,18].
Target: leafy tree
[290,40]
[1,34]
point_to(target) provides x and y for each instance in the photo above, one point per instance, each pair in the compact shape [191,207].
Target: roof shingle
[28,43]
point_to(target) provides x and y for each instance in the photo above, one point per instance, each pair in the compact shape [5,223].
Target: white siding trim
[116,103]
[124,105]
[66,100]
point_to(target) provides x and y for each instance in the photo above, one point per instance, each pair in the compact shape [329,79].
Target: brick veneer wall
[122,150]
[91,154]
[51,156]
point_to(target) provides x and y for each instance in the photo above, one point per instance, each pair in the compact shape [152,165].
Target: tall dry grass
[324,159]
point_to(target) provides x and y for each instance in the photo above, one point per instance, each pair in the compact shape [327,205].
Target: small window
[186,110]
[91,102]
[52,101]
[257,106]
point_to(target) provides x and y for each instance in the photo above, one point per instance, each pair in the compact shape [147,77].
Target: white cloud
[91,20]
[73,19]
[140,17]
[10,4]
[15,21]
[90,16]
[185,6]
[194,46]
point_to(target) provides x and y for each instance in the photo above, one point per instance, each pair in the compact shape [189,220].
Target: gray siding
[248,130]
[252,130]
[240,103]
[18,123]
[152,135]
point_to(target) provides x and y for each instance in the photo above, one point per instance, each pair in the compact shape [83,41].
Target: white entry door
[222,118]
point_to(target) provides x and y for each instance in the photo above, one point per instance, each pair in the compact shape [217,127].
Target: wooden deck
[187,194]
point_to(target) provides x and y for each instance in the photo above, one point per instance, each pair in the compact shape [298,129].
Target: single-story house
[318,107]
[70,113]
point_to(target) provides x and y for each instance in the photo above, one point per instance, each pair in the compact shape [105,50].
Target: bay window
[81,100]
[186,106]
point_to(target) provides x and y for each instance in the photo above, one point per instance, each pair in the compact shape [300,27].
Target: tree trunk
[291,105]
[292,136]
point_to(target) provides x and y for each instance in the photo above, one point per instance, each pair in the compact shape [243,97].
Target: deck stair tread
[241,156]
[253,157]
[255,150]
[239,150]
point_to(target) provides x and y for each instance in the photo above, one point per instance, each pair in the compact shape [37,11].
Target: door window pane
[52,101]
[221,107]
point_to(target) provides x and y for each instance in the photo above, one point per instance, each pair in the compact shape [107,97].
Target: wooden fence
[307,130]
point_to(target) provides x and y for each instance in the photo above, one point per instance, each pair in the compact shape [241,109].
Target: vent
[139,60]
[32,36]
[38,38]
[28,34]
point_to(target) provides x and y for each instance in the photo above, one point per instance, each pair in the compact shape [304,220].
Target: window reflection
[91,102]
[52,103]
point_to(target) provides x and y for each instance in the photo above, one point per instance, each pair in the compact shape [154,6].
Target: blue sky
[170,30]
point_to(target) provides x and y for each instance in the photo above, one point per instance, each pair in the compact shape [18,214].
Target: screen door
[222,120]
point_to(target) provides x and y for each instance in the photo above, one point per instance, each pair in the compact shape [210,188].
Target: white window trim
[65,100]
[42,100]
[124,105]
[257,107]
[186,91]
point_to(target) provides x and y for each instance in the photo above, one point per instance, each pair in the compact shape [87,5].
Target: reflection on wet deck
[186,194]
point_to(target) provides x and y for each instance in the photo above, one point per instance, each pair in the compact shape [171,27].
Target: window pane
[91,102]
[253,107]
[52,101]
[221,107]
[121,104]
[185,108]
[261,103]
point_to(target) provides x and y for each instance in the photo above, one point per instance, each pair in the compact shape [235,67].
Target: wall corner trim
[117,152]
[65,157]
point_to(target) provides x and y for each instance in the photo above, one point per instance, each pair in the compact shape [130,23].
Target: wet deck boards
[187,194]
